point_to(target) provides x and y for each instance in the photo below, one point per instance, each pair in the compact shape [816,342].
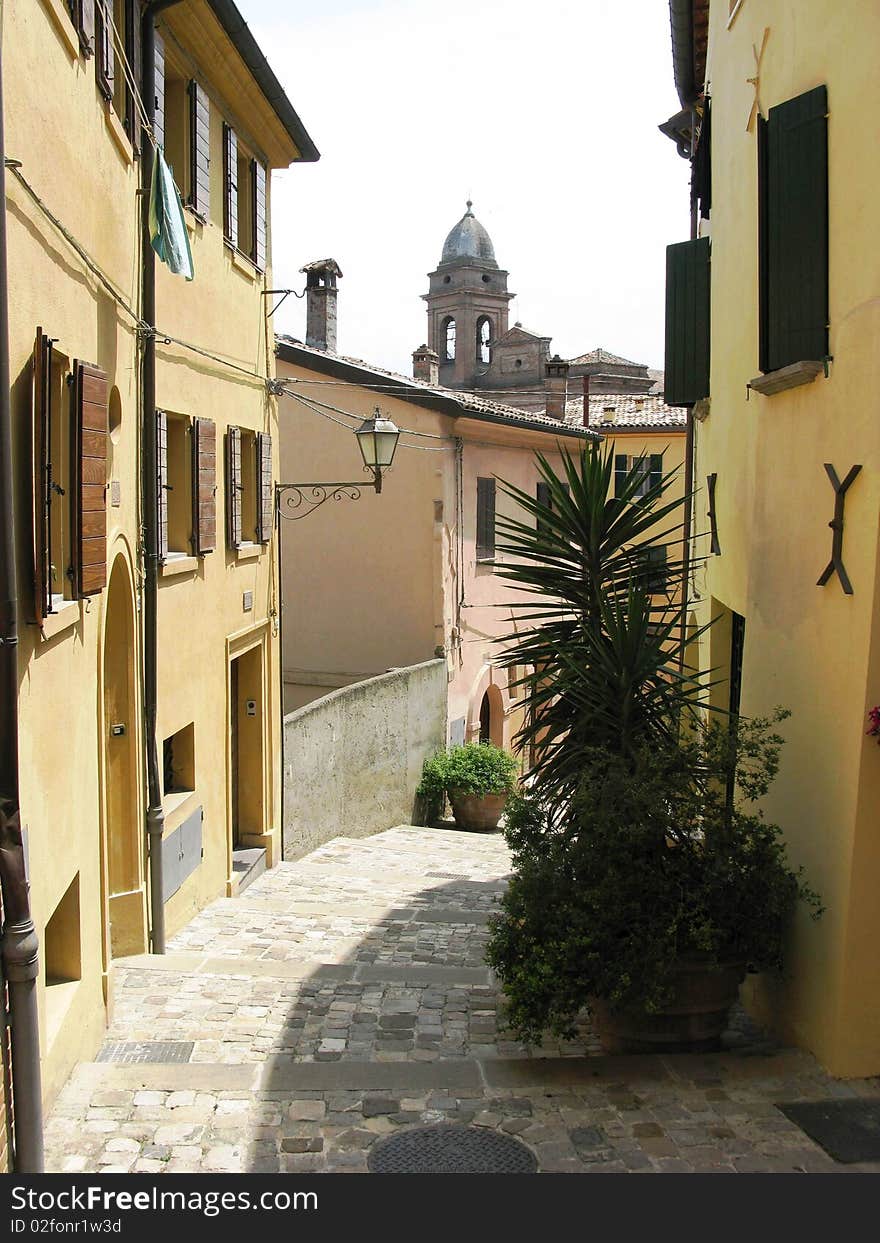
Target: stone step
[247,865]
[287,969]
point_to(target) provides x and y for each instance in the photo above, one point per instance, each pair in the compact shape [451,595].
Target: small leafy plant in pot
[477,778]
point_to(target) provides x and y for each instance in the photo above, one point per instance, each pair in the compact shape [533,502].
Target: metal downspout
[689,445]
[19,943]
[155,819]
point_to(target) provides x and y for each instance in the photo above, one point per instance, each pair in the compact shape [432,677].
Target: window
[687,322]
[178,762]
[184,121]
[175,505]
[115,23]
[647,471]
[447,334]
[244,199]
[69,434]
[653,563]
[249,487]
[793,231]
[187,475]
[485,519]
[484,336]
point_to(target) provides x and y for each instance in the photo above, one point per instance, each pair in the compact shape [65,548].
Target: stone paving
[344,996]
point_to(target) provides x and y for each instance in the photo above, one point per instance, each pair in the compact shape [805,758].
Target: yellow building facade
[76,338]
[790,422]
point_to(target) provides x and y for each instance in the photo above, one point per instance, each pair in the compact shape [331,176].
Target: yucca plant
[605,647]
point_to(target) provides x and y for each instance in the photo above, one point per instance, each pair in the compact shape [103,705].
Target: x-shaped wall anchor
[756,80]
[715,543]
[835,565]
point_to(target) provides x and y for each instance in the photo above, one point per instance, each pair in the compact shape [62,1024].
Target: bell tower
[468,304]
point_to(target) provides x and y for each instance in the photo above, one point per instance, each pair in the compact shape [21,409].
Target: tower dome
[469,240]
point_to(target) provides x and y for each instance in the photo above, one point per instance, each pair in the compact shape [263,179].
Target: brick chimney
[556,387]
[426,365]
[321,294]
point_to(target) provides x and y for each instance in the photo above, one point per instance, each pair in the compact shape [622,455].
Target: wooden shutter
[83,14]
[230,184]
[42,555]
[159,91]
[204,485]
[542,495]
[793,189]
[233,487]
[133,52]
[89,507]
[687,322]
[655,568]
[485,518]
[162,484]
[265,488]
[200,150]
[621,470]
[258,173]
[105,60]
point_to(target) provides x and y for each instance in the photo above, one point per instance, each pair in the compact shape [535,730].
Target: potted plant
[645,880]
[650,899]
[477,778]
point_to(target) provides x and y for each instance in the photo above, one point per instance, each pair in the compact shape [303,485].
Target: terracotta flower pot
[692,1021]
[478,812]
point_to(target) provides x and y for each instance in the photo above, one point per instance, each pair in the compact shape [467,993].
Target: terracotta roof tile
[627,410]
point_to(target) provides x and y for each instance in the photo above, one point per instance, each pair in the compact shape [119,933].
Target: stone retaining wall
[353,758]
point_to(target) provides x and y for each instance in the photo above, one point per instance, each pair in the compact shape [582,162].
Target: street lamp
[377,440]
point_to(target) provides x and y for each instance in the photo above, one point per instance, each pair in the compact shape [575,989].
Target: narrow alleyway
[344,996]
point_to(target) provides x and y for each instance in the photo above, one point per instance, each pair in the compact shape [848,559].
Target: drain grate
[449,875]
[848,1130]
[130,1052]
[450,1148]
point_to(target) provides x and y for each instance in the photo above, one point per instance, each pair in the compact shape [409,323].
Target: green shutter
[687,322]
[621,470]
[485,519]
[793,215]
[542,494]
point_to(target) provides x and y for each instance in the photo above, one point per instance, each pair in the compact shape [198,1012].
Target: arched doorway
[492,717]
[124,869]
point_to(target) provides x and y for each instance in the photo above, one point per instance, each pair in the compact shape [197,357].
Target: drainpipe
[155,815]
[688,451]
[19,943]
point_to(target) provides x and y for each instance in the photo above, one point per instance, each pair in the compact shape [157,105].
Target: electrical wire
[128,73]
[350,426]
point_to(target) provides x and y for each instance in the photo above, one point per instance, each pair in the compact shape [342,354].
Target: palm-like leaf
[605,651]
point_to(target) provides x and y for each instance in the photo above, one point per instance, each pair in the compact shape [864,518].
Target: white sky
[544,114]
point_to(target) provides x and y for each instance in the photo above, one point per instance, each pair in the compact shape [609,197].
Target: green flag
[168,234]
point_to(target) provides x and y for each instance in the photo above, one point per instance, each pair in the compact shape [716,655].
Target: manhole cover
[450,1148]
[135,1051]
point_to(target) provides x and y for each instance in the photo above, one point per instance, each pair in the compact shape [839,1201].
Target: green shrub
[654,862]
[474,768]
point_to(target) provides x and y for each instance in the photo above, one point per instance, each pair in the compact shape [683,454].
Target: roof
[689,22]
[468,240]
[598,355]
[629,411]
[446,400]
[246,45]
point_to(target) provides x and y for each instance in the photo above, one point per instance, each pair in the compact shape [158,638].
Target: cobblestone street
[345,995]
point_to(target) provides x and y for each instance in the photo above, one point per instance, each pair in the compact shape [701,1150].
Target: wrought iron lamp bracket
[298,500]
